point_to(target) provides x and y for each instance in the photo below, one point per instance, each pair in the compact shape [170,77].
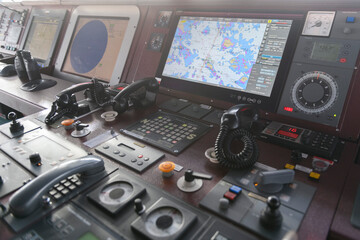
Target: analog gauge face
[116,193]
[318,23]
[314,92]
[156,41]
[163,19]
[164,222]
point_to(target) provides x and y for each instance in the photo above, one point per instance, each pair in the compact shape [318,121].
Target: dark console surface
[144,165]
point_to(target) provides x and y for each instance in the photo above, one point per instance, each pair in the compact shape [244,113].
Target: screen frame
[230,95]
[131,12]
[60,15]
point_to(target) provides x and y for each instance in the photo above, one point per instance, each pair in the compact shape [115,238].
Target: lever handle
[190,175]
[80,126]
[273,181]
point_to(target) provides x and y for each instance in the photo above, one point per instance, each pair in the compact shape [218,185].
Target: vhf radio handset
[236,123]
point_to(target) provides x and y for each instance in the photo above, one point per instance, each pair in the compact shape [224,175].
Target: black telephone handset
[141,93]
[29,198]
[65,102]
[236,123]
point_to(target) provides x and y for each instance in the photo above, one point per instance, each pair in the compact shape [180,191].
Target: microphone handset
[236,124]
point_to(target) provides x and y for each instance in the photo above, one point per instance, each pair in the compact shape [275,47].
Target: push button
[230,195]
[235,189]
[350,19]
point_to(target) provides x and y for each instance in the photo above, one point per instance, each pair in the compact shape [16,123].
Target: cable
[98,89]
[244,159]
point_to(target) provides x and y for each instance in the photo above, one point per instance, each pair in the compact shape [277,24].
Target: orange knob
[167,168]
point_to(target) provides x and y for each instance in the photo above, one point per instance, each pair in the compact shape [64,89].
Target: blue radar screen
[89,46]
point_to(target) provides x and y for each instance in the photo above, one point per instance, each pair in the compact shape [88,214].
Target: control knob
[35,158]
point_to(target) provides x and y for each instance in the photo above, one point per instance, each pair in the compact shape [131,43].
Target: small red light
[343,60]
[288,109]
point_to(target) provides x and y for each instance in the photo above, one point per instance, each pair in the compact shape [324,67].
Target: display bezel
[131,12]
[56,14]
[230,95]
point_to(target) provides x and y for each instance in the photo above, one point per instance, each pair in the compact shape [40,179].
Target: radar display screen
[95,46]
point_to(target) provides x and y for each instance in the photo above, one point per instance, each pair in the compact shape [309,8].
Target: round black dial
[314,92]
[156,41]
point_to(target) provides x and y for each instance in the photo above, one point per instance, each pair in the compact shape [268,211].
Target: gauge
[163,19]
[318,23]
[164,221]
[116,193]
[156,41]
[314,92]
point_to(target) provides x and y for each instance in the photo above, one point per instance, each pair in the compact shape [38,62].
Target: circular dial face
[116,193]
[318,23]
[156,41]
[163,19]
[314,92]
[164,221]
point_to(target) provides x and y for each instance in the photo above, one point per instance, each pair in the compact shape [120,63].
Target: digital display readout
[288,131]
[326,51]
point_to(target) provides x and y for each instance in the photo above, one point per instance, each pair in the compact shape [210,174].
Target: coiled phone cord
[244,159]
[99,89]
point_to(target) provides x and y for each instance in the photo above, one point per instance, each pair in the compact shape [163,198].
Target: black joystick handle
[15,126]
[139,207]
[80,126]
[271,216]
[190,176]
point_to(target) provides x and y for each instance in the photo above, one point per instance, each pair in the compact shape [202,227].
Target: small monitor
[97,42]
[42,34]
[237,59]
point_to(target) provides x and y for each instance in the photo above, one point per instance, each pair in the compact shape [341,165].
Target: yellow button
[289,166]
[314,175]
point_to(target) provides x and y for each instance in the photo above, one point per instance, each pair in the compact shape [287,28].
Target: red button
[229,195]
[343,60]
[140,156]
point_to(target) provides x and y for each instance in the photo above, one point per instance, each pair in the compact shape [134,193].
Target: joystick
[271,216]
[191,181]
[15,126]
[139,206]
[80,130]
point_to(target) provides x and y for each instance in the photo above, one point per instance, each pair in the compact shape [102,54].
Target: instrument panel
[137,201]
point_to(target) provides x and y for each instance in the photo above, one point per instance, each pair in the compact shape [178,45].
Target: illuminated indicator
[288,109]
[288,131]
[288,134]
[343,60]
